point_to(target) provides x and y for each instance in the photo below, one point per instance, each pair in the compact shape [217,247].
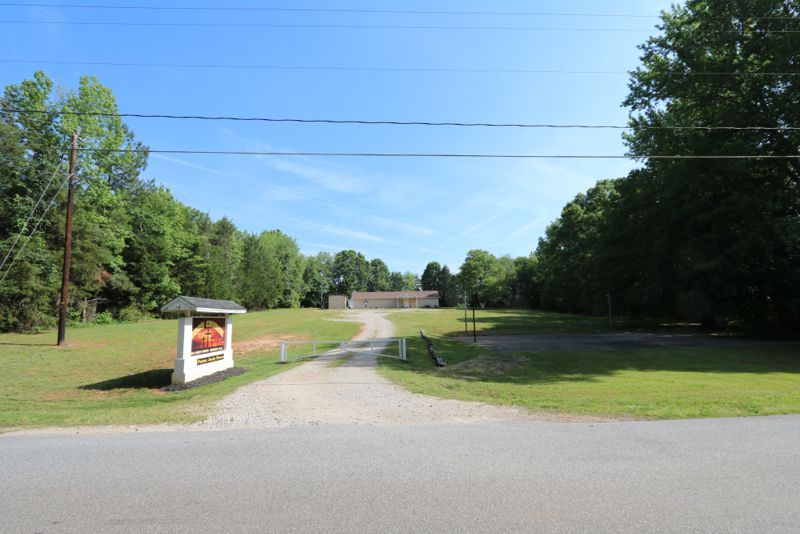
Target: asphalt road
[725,475]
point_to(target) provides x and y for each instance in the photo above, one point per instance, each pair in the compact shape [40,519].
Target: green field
[634,383]
[111,374]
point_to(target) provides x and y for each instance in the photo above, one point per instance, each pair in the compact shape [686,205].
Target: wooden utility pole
[62,316]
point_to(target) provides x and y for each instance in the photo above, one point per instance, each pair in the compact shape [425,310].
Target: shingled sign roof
[185,304]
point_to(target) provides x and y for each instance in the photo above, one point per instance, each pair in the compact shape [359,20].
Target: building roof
[184,304]
[361,295]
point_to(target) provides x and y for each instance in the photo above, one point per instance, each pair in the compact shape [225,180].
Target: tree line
[135,247]
[711,239]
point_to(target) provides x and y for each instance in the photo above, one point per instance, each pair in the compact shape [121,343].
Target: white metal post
[283,352]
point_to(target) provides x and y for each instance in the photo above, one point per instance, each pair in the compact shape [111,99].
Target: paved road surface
[727,475]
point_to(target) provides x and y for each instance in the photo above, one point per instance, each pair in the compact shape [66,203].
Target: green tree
[350,272]
[317,279]
[379,276]
[482,274]
[571,275]
[410,282]
[722,235]
[224,252]
[448,288]
[397,281]
[106,178]
[431,277]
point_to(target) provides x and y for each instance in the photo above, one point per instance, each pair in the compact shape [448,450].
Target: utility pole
[62,316]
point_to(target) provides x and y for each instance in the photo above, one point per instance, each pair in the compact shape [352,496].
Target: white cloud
[475,227]
[409,228]
[331,180]
[187,164]
[338,231]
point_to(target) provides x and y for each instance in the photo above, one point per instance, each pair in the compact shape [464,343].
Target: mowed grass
[111,374]
[661,383]
[450,322]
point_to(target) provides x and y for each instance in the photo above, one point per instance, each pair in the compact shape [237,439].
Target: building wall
[393,303]
[375,303]
[337,302]
[428,303]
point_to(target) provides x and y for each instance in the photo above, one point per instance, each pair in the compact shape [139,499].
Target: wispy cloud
[409,228]
[331,180]
[338,231]
[522,230]
[187,164]
[475,227]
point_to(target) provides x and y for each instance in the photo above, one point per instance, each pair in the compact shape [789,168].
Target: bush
[104,317]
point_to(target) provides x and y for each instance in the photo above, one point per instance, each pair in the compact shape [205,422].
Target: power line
[33,212]
[329,26]
[398,123]
[22,248]
[361,11]
[357,26]
[434,154]
[375,69]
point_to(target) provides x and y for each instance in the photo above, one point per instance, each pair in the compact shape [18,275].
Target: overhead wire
[22,248]
[110,23]
[381,69]
[363,122]
[262,9]
[33,211]
[435,154]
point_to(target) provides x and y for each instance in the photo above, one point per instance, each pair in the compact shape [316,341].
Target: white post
[283,352]
[400,348]
[314,349]
[229,340]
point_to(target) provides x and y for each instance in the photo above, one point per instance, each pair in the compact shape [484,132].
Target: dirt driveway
[317,393]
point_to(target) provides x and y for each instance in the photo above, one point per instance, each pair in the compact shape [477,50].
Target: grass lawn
[450,322]
[111,374]
[637,383]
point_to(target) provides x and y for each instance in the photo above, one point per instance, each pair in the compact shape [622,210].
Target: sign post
[205,336]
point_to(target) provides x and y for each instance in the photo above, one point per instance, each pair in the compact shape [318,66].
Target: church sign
[205,336]
[208,335]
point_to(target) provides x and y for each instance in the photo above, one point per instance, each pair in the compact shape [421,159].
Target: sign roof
[185,304]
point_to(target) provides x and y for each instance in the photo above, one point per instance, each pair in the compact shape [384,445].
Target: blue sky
[405,211]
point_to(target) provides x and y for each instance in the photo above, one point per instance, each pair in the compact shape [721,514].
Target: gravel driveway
[351,393]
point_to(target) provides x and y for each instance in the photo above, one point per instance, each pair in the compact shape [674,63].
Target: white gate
[300,350]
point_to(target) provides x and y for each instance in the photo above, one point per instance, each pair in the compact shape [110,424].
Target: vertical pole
[466,328]
[474,331]
[62,314]
[610,325]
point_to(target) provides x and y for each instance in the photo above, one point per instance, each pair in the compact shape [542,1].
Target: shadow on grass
[472,363]
[495,322]
[153,379]
[28,344]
